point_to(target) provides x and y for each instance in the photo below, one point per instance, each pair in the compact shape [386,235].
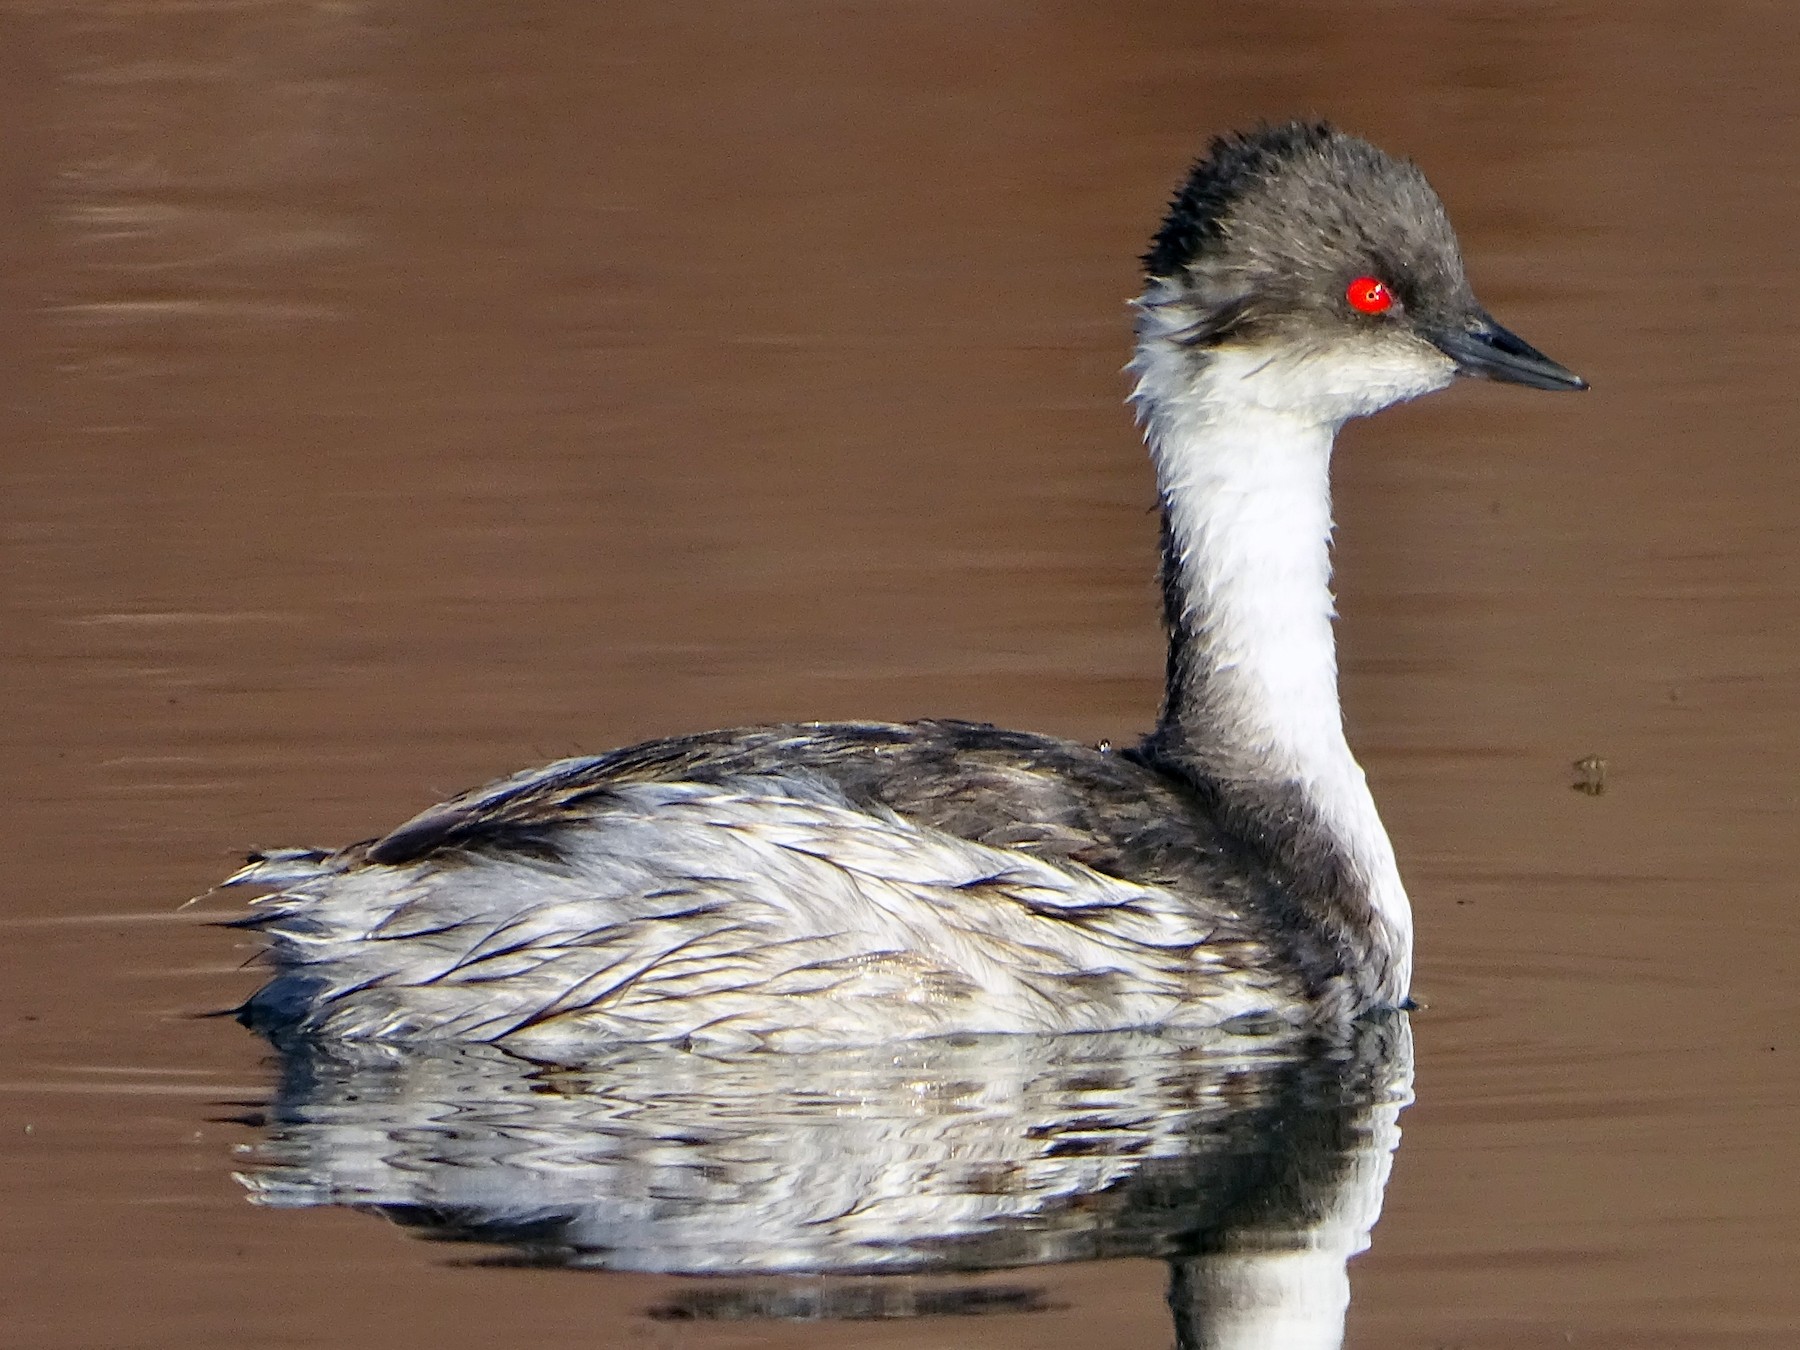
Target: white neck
[1242,447]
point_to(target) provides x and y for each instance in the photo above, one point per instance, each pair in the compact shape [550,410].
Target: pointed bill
[1487,350]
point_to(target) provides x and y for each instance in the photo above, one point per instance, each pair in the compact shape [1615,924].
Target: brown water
[397,395]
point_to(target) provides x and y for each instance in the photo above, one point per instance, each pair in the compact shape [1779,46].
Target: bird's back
[789,886]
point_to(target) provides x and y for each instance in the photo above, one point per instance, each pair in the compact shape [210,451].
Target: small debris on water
[1590,775]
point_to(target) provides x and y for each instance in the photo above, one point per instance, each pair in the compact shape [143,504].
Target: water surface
[400,394]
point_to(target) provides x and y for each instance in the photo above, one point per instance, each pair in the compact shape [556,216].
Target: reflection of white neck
[1268,1301]
[1288,1296]
[1242,446]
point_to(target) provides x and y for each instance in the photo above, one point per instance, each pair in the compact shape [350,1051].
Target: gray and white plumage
[788,887]
[819,884]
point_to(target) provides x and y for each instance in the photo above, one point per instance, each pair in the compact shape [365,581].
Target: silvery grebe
[815,884]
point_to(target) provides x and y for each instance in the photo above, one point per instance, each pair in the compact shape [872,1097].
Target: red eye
[1370,295]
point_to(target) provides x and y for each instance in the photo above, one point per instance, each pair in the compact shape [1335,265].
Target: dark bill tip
[1490,352]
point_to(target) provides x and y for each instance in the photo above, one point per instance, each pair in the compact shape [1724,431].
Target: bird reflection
[1254,1165]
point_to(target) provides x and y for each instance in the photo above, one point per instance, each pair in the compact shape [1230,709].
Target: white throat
[1242,446]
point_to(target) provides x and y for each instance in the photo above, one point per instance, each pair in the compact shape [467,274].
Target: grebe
[841,883]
